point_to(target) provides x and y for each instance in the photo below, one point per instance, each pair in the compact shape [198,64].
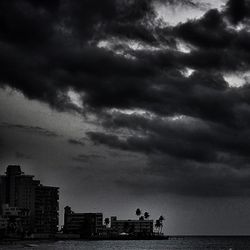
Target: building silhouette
[85,224]
[30,209]
[29,204]
[132,227]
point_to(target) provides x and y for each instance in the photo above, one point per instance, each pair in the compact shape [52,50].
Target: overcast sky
[132,103]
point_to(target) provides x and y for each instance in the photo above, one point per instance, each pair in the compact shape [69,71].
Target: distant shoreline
[115,238]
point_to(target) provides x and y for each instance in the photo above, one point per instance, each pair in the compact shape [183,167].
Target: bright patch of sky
[118,47]
[103,44]
[173,15]
[239,27]
[237,80]
[34,113]
[182,47]
[177,117]
[131,111]
[75,98]
[187,72]
[121,46]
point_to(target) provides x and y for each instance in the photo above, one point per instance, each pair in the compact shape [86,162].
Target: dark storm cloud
[184,138]
[87,157]
[210,31]
[188,156]
[188,178]
[76,142]
[237,10]
[38,41]
[50,47]
[47,73]
[30,129]
[214,179]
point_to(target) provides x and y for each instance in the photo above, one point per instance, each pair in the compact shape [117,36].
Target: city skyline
[125,104]
[29,210]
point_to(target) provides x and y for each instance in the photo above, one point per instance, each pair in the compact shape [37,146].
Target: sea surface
[195,243]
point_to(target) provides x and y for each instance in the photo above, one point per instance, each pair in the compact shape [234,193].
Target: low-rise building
[132,227]
[85,224]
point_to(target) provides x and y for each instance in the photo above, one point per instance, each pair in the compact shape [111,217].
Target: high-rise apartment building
[21,191]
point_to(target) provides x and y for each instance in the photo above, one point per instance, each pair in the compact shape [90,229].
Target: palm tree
[106,221]
[161,219]
[146,215]
[157,225]
[141,218]
[138,212]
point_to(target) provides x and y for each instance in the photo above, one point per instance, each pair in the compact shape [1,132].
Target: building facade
[85,224]
[46,209]
[21,192]
[17,220]
[132,227]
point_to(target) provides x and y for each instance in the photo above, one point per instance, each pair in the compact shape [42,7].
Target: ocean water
[192,243]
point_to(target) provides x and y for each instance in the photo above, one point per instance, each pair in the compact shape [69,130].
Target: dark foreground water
[196,243]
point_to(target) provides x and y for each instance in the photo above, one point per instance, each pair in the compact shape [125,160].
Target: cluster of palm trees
[158,223]
[141,216]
